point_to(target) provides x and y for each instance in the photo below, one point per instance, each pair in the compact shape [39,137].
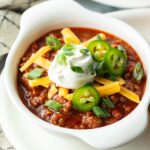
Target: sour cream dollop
[76,71]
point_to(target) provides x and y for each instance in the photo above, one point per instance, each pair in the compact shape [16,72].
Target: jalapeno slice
[98,48]
[85,98]
[115,61]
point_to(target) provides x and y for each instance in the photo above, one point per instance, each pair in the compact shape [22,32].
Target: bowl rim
[46,125]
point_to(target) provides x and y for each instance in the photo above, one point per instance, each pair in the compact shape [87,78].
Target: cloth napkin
[10,12]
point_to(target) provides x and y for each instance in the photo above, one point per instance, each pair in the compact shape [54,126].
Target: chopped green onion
[77,69]
[53,43]
[121,48]
[52,104]
[100,112]
[84,51]
[112,78]
[108,103]
[91,69]
[98,37]
[89,84]
[138,71]
[61,59]
[35,73]
[107,114]
[68,47]
[100,69]
[68,53]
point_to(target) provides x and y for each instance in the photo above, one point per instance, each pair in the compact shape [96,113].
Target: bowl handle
[30,19]
[118,133]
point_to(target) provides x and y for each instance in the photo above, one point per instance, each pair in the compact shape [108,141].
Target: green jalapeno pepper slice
[115,62]
[85,98]
[98,48]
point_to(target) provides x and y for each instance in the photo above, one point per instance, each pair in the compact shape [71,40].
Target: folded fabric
[10,13]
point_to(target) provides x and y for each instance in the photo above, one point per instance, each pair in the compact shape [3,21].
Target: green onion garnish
[107,114]
[90,66]
[52,104]
[89,84]
[61,59]
[112,77]
[138,71]
[100,69]
[84,51]
[100,112]
[35,73]
[108,103]
[77,69]
[68,47]
[121,48]
[98,37]
[53,43]
[68,53]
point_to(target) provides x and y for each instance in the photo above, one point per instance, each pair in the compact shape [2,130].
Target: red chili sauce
[35,97]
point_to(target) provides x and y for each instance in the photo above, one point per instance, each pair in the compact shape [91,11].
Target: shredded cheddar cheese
[69,36]
[123,91]
[63,91]
[121,80]
[39,53]
[108,89]
[69,96]
[129,94]
[52,91]
[42,62]
[44,81]
[86,43]
[106,81]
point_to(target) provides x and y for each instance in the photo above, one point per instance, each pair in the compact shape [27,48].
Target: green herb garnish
[90,66]
[84,51]
[77,69]
[100,112]
[138,71]
[108,103]
[61,59]
[35,73]
[52,104]
[68,47]
[53,43]
[98,37]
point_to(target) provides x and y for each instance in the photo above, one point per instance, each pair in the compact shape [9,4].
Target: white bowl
[54,14]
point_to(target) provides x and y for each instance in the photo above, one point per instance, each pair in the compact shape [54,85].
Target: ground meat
[91,121]
[40,99]
[114,98]
[117,114]
[67,107]
[127,108]
[110,120]
[68,117]
[57,119]
[122,99]
[60,99]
